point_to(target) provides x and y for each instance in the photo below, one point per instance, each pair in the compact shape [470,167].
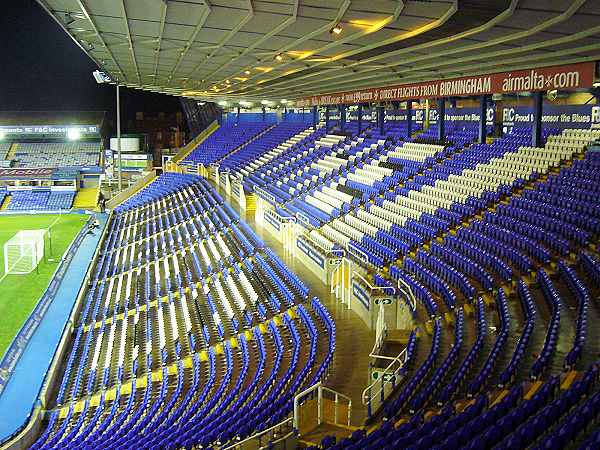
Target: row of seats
[201,333]
[41,200]
[524,240]
[57,154]
[225,139]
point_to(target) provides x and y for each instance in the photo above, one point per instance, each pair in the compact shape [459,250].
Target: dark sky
[42,69]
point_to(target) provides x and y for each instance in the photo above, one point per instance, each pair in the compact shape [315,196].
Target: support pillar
[380,118]
[327,118]
[314,114]
[343,116]
[453,102]
[409,118]
[482,119]
[238,114]
[536,131]
[359,118]
[264,113]
[426,118]
[441,119]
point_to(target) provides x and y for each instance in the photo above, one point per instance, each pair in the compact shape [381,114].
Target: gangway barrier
[330,406]
[320,261]
[282,227]
[213,172]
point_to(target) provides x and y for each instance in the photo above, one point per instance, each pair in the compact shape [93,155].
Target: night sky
[42,69]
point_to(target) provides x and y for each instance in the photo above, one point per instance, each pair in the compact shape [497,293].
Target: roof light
[337,29]
[227,81]
[284,101]
[279,57]
[222,103]
[264,102]
[247,72]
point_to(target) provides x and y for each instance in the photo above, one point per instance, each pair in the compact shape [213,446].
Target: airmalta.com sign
[571,76]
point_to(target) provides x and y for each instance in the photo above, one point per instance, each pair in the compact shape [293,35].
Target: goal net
[23,252]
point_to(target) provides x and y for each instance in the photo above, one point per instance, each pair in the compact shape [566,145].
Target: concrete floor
[350,370]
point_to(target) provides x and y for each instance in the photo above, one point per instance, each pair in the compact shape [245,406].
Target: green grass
[20,293]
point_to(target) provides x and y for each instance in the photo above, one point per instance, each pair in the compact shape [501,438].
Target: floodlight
[247,72]
[101,77]
[222,103]
[336,29]
[284,101]
[279,57]
[73,134]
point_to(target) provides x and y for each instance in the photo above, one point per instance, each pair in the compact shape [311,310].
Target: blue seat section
[41,200]
[529,247]
[255,149]
[224,140]
[580,292]
[74,154]
[529,311]
[210,332]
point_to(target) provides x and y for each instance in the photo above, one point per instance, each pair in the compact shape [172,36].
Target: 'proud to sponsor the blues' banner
[557,116]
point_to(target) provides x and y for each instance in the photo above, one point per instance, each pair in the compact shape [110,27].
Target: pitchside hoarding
[573,76]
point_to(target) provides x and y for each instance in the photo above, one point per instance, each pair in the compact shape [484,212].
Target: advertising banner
[572,76]
[26,173]
[47,129]
[554,116]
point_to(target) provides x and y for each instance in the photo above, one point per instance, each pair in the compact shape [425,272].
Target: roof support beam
[85,11]
[282,26]
[133,58]
[190,42]
[226,38]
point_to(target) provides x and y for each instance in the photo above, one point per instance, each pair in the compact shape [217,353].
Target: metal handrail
[259,434]
[401,359]
[320,389]
[411,296]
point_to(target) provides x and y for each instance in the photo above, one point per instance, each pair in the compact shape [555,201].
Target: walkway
[21,392]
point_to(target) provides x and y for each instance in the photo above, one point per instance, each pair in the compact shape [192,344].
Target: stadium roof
[276,49]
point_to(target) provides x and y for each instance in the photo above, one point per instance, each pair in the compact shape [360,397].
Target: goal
[23,252]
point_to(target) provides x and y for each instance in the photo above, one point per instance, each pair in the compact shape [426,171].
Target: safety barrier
[281,436]
[131,190]
[331,407]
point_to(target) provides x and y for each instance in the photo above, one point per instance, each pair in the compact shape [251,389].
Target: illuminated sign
[48,129]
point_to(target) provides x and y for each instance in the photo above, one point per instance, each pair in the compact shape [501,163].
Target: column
[482,119]
[536,131]
[380,118]
[238,114]
[264,112]
[315,121]
[359,118]
[441,118]
[343,116]
[409,117]
[327,118]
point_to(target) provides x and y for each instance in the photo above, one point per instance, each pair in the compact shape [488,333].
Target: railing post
[319,406]
[349,411]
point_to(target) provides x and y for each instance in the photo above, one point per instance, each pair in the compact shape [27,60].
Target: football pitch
[20,293]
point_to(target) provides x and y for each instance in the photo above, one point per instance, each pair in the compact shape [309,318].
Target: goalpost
[23,252]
